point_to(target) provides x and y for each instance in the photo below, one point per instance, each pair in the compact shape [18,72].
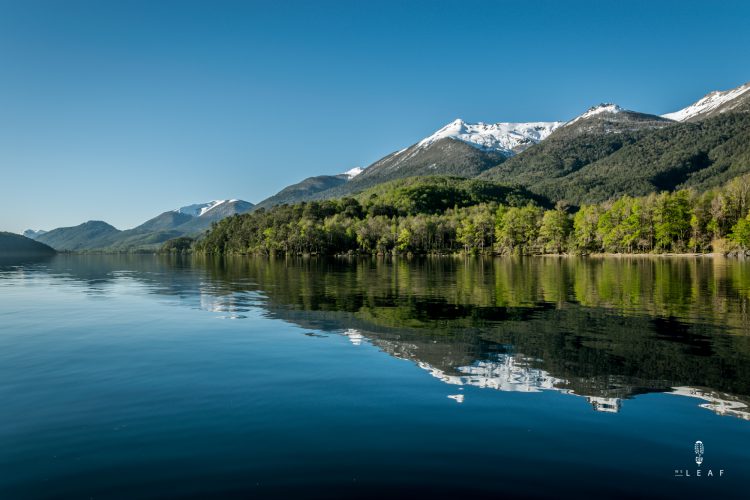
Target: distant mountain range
[606,151]
[190,220]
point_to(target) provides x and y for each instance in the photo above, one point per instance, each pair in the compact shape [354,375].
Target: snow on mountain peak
[502,137]
[200,209]
[708,103]
[353,172]
[608,108]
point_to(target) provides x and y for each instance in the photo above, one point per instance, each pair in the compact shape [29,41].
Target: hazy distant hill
[79,237]
[97,235]
[33,234]
[15,245]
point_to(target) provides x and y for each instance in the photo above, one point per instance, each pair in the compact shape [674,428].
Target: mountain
[606,151]
[700,155]
[597,133]
[194,218]
[458,149]
[210,213]
[304,190]
[224,208]
[87,235]
[165,222]
[216,209]
[186,221]
[15,245]
[655,156]
[33,234]
[505,138]
[308,188]
[608,118]
[713,104]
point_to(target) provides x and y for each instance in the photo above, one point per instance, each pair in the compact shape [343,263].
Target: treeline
[441,215]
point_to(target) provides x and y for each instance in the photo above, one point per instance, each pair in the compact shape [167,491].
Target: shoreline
[435,255]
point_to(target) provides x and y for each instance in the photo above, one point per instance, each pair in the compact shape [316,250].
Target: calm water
[151,377]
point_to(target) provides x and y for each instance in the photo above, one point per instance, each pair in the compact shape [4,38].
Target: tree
[585,224]
[741,233]
[518,228]
[672,220]
[554,230]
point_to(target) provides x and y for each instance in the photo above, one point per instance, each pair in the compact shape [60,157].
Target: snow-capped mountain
[712,104]
[601,109]
[503,137]
[200,209]
[201,215]
[608,118]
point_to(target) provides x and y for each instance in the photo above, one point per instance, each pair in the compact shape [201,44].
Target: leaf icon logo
[699,452]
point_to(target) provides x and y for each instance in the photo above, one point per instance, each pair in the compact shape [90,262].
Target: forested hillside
[450,215]
[13,245]
[595,168]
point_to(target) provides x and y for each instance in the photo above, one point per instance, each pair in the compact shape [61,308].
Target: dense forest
[592,168]
[445,215]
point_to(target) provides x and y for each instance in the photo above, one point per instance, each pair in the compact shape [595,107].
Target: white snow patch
[200,209]
[598,110]
[354,172]
[708,103]
[503,137]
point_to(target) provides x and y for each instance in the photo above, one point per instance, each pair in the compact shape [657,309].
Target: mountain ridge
[605,151]
[93,235]
[16,245]
[714,103]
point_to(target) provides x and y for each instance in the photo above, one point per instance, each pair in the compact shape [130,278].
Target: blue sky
[118,111]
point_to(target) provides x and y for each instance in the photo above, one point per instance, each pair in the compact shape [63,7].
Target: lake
[167,377]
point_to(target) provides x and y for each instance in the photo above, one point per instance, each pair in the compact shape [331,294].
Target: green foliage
[672,220]
[741,233]
[451,215]
[555,230]
[517,228]
[182,244]
[422,195]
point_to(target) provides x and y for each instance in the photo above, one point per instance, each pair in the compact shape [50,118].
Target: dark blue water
[151,377]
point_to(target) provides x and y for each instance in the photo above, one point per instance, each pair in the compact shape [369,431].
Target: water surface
[158,377]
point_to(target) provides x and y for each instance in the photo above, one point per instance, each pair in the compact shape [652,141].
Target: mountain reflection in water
[604,329]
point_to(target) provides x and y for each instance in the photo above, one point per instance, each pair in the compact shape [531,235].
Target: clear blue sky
[121,110]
